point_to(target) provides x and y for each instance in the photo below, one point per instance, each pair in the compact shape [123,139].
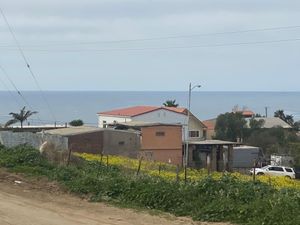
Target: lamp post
[188,131]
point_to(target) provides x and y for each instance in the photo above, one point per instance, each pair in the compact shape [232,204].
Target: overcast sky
[152,44]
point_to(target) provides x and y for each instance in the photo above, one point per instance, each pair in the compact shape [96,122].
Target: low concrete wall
[124,143]
[12,139]
[108,142]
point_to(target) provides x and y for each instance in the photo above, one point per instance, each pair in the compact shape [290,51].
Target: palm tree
[20,117]
[287,118]
[280,114]
[170,103]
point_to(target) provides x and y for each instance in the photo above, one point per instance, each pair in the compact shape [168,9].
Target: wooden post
[139,167]
[159,169]
[69,157]
[177,173]
[185,174]
[254,175]
[107,161]
[208,163]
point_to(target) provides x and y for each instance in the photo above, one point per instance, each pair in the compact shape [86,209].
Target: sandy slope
[33,202]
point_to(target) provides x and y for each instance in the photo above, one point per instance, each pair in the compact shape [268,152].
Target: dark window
[104,124]
[160,133]
[194,133]
[289,170]
[276,168]
[121,142]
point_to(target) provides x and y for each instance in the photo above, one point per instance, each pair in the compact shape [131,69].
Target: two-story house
[154,114]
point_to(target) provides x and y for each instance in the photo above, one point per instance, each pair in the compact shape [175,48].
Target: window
[104,124]
[121,142]
[276,168]
[160,133]
[289,170]
[194,133]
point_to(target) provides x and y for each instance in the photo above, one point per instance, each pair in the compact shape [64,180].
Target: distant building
[271,122]
[214,155]
[153,114]
[246,157]
[282,160]
[100,141]
[246,113]
[159,142]
[210,128]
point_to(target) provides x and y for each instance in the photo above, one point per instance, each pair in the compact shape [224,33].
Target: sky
[151,45]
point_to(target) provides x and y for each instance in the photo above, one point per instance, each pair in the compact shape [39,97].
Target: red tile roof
[210,124]
[247,113]
[139,110]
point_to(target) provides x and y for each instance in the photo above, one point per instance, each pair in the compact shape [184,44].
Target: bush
[224,199]
[76,123]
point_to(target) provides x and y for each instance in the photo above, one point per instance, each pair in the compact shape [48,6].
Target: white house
[169,115]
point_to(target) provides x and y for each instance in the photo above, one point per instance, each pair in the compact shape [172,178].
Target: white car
[275,171]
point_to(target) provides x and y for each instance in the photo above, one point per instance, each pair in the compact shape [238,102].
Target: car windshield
[265,167]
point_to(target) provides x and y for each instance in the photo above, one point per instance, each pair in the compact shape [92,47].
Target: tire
[288,177]
[260,174]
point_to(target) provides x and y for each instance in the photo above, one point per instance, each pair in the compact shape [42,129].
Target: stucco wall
[165,148]
[195,125]
[11,139]
[172,156]
[121,143]
[170,140]
[111,119]
[86,142]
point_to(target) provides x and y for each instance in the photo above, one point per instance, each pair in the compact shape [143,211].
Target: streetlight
[188,132]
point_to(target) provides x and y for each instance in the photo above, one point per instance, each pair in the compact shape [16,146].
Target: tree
[171,103]
[76,123]
[287,118]
[20,117]
[280,114]
[297,125]
[256,124]
[230,126]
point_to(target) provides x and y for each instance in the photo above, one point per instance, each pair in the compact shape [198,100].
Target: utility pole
[266,111]
[186,155]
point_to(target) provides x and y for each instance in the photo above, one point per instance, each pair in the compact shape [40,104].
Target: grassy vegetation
[224,199]
[169,171]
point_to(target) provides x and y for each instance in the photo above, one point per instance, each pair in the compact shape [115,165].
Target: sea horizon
[84,104]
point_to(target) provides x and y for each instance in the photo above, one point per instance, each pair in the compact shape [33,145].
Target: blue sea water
[69,105]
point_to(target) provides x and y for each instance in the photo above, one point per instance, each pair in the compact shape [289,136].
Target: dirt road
[32,202]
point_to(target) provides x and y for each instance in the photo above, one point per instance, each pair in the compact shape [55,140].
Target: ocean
[64,106]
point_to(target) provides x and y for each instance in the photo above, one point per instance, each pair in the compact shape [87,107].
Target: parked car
[275,171]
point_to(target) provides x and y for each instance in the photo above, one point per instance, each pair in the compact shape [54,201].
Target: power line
[171,36]
[9,91]
[170,47]
[18,92]
[27,64]
[14,86]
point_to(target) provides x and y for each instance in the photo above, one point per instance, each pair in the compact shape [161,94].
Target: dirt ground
[39,202]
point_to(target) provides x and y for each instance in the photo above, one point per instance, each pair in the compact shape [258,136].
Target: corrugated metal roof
[73,130]
[70,131]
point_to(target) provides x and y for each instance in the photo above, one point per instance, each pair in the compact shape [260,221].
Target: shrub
[227,198]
